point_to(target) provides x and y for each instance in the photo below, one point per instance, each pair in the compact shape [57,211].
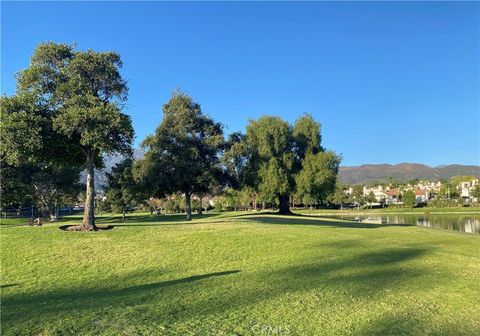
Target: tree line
[67,113]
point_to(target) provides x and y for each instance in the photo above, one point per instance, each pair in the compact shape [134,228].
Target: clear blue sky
[390,82]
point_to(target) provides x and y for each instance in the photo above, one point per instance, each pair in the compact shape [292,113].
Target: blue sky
[390,82]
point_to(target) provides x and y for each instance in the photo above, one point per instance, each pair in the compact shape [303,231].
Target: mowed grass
[239,274]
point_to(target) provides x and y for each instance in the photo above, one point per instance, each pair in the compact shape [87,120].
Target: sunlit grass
[238,274]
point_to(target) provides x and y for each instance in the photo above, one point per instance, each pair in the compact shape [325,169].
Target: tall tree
[82,93]
[184,151]
[277,153]
[270,139]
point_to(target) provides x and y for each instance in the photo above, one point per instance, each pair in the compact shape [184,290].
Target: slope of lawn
[238,274]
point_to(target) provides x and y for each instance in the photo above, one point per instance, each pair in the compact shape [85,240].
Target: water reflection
[461,223]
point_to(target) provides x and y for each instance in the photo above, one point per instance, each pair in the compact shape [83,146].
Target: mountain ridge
[402,172]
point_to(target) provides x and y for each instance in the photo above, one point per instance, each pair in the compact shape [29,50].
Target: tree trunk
[284,207]
[51,212]
[200,209]
[88,222]
[188,207]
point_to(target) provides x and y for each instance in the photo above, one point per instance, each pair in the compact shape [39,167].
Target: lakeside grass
[238,274]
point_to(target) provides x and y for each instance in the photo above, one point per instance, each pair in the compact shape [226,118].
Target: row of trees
[189,154]
[67,114]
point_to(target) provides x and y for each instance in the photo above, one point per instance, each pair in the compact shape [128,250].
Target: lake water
[462,223]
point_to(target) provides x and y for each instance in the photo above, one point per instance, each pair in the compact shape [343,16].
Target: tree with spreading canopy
[183,154]
[78,97]
[281,159]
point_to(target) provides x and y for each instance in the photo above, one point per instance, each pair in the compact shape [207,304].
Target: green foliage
[122,192]
[218,206]
[99,127]
[316,180]
[476,192]
[409,199]
[357,191]
[307,136]
[81,93]
[247,196]
[283,160]
[235,160]
[183,154]
[174,204]
[68,105]
[21,120]
[339,197]
[275,180]
[15,188]
[371,197]
[448,191]
[38,164]
[232,199]
[156,204]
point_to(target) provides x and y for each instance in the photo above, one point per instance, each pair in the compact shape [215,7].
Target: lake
[462,223]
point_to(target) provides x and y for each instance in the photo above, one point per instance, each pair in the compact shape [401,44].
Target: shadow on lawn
[264,218]
[159,219]
[362,276]
[313,220]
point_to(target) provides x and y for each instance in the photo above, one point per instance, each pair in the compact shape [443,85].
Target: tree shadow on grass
[159,219]
[263,218]
[314,220]
[360,275]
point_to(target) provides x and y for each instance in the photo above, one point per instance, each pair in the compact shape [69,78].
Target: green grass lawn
[238,274]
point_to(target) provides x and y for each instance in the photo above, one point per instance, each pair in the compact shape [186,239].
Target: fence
[32,212]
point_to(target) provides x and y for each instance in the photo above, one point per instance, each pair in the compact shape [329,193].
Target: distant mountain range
[402,172]
[364,174]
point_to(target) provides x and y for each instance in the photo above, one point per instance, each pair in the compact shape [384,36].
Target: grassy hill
[239,274]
